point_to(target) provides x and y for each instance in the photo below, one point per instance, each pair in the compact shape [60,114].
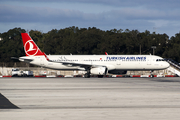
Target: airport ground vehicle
[20,73]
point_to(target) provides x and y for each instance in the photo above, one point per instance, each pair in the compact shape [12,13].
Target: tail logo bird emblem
[30,48]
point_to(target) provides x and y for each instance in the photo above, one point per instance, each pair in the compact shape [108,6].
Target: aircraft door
[149,60]
[119,62]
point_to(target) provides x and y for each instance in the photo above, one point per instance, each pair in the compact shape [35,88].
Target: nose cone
[166,65]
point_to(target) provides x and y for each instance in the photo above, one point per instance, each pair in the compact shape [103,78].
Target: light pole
[153,47]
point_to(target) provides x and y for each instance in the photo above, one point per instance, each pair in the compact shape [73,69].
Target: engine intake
[99,71]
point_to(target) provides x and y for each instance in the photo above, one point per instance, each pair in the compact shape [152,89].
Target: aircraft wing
[71,64]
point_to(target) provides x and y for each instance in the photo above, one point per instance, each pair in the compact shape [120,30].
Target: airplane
[94,64]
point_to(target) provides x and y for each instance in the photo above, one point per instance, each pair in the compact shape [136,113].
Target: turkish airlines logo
[30,48]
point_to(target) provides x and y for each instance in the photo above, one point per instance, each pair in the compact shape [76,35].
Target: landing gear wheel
[152,74]
[87,75]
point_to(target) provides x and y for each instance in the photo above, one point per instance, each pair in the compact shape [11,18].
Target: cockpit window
[160,60]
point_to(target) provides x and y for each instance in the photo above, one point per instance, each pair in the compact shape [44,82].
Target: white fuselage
[111,62]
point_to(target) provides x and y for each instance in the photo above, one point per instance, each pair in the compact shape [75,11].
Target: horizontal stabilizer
[22,59]
[15,58]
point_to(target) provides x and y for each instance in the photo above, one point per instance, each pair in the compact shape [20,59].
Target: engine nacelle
[118,72]
[99,71]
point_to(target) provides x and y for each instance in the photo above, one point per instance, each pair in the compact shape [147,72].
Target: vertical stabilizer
[30,47]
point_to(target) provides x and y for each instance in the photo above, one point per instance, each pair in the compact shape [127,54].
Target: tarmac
[90,98]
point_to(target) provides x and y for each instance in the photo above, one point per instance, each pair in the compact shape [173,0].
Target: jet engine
[99,71]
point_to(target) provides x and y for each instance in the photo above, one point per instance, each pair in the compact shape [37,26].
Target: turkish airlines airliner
[94,64]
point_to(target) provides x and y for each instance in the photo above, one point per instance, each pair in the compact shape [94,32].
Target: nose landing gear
[152,75]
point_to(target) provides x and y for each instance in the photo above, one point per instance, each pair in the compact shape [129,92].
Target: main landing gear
[87,75]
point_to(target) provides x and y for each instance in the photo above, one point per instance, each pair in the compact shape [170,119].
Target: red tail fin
[30,47]
[46,56]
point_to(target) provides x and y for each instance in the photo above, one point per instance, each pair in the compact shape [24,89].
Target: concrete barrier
[40,76]
[7,76]
[136,76]
[145,75]
[60,76]
[170,76]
